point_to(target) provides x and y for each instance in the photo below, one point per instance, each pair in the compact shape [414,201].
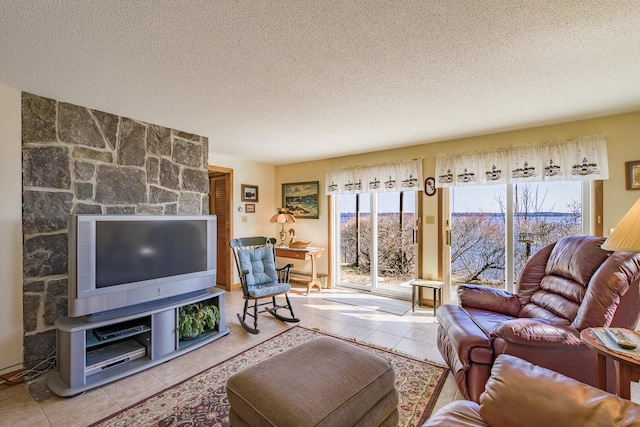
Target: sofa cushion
[537,397]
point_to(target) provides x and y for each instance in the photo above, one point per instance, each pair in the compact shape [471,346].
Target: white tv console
[148,337]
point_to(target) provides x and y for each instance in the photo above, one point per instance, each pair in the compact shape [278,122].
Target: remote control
[621,338]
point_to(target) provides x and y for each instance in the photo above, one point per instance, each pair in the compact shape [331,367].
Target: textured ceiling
[288,81]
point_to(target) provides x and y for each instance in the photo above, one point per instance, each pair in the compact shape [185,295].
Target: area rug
[373,302]
[202,399]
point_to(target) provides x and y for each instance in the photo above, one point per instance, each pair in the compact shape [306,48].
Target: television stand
[135,340]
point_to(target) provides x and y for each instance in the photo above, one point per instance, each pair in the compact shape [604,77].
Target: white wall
[10,230]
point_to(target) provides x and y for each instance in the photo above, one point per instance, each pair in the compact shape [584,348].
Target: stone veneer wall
[78,160]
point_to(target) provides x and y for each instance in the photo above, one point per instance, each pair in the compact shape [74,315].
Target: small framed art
[249,193]
[633,175]
[250,208]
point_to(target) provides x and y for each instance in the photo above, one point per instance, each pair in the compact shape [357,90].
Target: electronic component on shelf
[621,338]
[112,355]
[116,330]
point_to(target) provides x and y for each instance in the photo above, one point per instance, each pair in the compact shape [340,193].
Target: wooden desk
[304,254]
[627,368]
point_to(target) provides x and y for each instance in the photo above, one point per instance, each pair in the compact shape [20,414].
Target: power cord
[43,367]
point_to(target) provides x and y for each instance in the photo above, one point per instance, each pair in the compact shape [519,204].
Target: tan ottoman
[323,382]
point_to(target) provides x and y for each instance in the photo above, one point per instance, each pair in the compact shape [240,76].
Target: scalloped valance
[378,178]
[584,159]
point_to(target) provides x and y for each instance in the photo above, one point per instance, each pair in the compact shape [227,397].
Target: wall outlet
[244,218]
[429,219]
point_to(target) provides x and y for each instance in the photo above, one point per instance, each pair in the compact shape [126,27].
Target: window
[481,217]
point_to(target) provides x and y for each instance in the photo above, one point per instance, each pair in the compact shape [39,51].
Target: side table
[627,368]
[419,285]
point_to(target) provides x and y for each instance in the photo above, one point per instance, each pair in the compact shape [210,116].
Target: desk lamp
[282,217]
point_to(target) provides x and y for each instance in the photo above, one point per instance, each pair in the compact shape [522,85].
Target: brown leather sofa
[521,394]
[565,287]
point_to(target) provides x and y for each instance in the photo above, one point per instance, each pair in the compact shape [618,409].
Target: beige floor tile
[383,339]
[19,409]
[66,412]
[416,349]
[359,333]
[395,328]
[130,390]
[448,393]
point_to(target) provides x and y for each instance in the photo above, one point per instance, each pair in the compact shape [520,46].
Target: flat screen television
[118,261]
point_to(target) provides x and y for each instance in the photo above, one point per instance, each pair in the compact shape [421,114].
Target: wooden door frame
[228,253]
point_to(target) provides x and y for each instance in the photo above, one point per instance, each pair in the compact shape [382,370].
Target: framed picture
[633,175]
[250,208]
[430,186]
[301,198]
[249,193]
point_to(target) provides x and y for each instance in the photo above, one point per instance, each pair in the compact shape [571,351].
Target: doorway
[220,204]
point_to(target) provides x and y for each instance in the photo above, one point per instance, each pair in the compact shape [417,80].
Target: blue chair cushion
[268,290]
[262,278]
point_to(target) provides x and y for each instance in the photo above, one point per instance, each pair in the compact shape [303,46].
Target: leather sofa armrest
[464,335]
[491,299]
[528,331]
[537,396]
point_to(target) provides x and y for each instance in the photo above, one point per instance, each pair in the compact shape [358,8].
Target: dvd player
[113,355]
[117,330]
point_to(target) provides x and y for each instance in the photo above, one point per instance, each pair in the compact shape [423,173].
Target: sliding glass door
[496,228]
[377,241]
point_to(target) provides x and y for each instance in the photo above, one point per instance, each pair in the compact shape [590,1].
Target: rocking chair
[256,262]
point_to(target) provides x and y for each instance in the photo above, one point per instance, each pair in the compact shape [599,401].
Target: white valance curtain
[383,177]
[583,159]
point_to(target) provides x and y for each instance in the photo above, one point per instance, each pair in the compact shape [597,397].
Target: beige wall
[252,173]
[622,133]
[10,230]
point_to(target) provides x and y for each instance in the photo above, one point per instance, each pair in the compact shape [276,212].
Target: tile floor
[413,333]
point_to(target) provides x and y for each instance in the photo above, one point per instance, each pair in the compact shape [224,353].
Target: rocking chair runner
[256,263]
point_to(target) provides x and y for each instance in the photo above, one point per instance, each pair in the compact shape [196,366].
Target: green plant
[195,319]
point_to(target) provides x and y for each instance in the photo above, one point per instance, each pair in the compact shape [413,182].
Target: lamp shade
[626,235]
[282,216]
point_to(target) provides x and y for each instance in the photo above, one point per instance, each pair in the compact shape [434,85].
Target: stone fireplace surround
[78,160]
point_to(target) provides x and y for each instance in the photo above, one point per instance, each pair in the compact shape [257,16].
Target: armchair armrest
[538,332]
[284,272]
[490,299]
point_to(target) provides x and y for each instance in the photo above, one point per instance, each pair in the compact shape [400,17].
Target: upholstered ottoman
[323,382]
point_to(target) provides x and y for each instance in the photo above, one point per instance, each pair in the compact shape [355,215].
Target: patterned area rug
[202,399]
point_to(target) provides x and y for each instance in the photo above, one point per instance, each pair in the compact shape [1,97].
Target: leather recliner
[564,288]
[521,394]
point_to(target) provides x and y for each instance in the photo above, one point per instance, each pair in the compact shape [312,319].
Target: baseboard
[20,379]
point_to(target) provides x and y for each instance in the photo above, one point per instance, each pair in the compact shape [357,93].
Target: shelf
[186,343]
[92,341]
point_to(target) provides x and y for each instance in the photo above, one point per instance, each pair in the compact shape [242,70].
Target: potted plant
[195,319]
